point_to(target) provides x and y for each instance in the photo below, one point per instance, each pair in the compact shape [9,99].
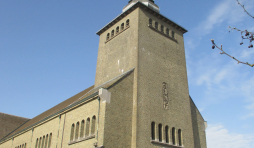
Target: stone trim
[169,145]
[81,139]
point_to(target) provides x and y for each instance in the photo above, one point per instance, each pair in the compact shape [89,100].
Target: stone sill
[81,139]
[117,34]
[168,145]
[162,33]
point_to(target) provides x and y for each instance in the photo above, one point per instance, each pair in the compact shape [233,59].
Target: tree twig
[245,9]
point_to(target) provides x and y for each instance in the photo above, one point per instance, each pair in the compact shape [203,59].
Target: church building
[140,98]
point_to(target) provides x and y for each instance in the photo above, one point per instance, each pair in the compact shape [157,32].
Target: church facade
[140,98]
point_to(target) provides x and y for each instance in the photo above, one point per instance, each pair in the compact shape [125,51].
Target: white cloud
[220,137]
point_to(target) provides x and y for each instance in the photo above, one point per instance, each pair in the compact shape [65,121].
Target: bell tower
[143,39]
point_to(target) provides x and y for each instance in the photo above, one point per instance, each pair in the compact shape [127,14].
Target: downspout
[98,118]
[63,131]
[58,130]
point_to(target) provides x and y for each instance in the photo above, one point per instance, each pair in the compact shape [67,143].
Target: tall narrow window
[72,132]
[122,26]
[39,146]
[173,136]
[46,141]
[108,36]
[36,144]
[167,31]
[156,25]
[25,145]
[93,125]
[77,131]
[117,29]
[82,128]
[173,34]
[43,140]
[180,137]
[160,132]
[153,130]
[127,23]
[112,33]
[87,126]
[150,22]
[166,134]
[162,28]
[50,138]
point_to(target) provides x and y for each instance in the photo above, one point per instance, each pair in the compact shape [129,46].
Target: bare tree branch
[245,9]
[223,52]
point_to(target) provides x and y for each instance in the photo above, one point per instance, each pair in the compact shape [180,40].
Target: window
[128,23]
[50,137]
[117,29]
[160,132]
[180,137]
[39,143]
[166,134]
[162,28]
[93,125]
[112,33]
[107,36]
[87,126]
[42,144]
[77,131]
[82,128]
[153,130]
[150,22]
[36,144]
[25,145]
[72,132]
[173,34]
[156,25]
[173,136]
[122,26]
[167,31]
[46,141]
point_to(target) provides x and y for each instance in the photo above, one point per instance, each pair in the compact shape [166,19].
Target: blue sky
[48,53]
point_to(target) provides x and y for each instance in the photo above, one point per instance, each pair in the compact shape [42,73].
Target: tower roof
[149,3]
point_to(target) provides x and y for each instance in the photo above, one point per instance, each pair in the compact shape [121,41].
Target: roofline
[70,107]
[197,108]
[141,5]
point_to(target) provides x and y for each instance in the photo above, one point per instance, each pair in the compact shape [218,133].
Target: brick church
[140,98]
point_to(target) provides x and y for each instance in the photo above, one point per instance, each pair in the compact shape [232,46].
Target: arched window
[117,29]
[82,128]
[39,146]
[173,136]
[166,134]
[173,34]
[156,25]
[122,26]
[112,33]
[150,22]
[50,137]
[43,140]
[87,126]
[72,132]
[160,132]
[36,144]
[162,28]
[153,130]
[77,131]
[20,146]
[108,36]
[127,23]
[167,31]
[25,145]
[93,125]
[180,137]
[46,141]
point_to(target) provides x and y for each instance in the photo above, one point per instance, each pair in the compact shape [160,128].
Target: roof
[140,5]
[67,104]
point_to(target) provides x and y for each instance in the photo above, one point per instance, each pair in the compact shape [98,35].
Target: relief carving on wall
[165,95]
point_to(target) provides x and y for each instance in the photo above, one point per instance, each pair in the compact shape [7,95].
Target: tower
[162,112]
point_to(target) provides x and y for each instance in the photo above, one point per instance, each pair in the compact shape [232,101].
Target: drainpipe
[63,131]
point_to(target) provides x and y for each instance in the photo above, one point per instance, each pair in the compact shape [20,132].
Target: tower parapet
[149,3]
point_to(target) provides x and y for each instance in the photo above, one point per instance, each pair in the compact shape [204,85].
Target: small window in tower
[173,34]
[173,136]
[108,36]
[77,131]
[150,22]
[117,29]
[82,128]
[87,127]
[156,25]
[180,137]
[127,23]
[167,31]
[160,132]
[122,26]
[112,33]
[162,28]
[153,130]
[166,134]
